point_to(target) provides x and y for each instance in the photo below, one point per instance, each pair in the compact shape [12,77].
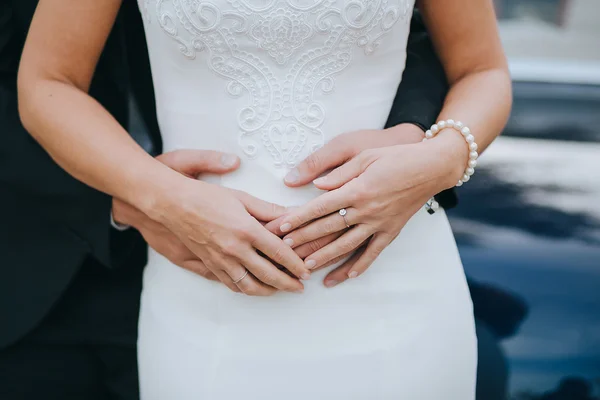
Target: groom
[69,282]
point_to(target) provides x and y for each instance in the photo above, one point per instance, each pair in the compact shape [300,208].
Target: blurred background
[528,228]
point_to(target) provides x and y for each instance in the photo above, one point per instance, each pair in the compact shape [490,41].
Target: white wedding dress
[272,80]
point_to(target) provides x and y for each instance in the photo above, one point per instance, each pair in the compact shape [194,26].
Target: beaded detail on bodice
[278,55]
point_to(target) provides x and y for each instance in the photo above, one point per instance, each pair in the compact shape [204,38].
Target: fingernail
[299,291]
[331,283]
[352,274]
[292,176]
[320,180]
[289,242]
[310,264]
[305,276]
[228,160]
[285,227]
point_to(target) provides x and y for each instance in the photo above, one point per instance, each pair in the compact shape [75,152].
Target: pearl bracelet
[432,206]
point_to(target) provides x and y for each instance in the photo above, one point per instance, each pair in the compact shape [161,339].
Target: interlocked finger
[336,260]
[267,273]
[199,268]
[325,204]
[309,248]
[226,279]
[245,282]
[217,263]
[332,223]
[348,242]
[223,277]
[280,253]
[253,287]
[238,280]
[373,249]
[340,274]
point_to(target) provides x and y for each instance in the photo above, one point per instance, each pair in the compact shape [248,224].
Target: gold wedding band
[242,277]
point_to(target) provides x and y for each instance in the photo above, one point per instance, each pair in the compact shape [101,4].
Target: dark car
[528,230]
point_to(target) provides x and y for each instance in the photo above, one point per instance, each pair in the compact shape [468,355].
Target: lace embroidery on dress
[281,115]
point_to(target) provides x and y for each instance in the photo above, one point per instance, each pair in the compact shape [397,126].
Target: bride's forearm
[482,101]
[84,139]
[465,35]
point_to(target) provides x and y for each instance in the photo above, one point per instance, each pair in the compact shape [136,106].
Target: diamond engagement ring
[242,277]
[343,213]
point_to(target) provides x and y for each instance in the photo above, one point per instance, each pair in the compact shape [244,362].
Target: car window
[555,111]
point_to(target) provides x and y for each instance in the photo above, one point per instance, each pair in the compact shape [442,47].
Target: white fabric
[271,80]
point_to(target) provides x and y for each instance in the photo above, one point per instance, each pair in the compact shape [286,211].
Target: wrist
[156,192]
[406,133]
[118,213]
[450,154]
[124,216]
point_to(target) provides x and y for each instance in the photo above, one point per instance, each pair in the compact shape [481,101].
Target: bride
[382,311]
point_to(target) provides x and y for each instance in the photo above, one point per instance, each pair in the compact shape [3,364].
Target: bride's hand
[381,189]
[336,152]
[348,145]
[221,226]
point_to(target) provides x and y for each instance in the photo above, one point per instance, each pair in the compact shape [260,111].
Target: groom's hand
[346,146]
[190,163]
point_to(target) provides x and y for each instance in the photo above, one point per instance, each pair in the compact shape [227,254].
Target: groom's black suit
[69,283]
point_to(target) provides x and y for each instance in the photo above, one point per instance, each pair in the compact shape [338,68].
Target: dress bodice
[272,80]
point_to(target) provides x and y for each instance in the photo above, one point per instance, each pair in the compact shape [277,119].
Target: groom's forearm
[421,93]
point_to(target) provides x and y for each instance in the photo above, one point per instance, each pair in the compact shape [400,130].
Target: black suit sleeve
[28,175]
[140,76]
[421,93]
